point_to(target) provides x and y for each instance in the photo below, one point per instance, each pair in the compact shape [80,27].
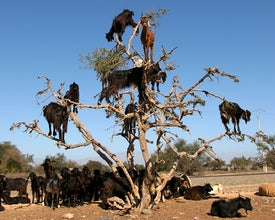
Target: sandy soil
[263,208]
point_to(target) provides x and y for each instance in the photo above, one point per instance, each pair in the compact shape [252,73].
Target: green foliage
[61,161]
[153,16]
[270,158]
[104,61]
[241,163]
[186,165]
[12,160]
[215,165]
[96,165]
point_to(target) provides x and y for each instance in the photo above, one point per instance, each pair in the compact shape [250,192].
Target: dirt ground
[263,207]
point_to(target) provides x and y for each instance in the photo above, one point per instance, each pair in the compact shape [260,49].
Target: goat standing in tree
[73,95]
[233,110]
[58,116]
[121,79]
[119,24]
[130,123]
[147,38]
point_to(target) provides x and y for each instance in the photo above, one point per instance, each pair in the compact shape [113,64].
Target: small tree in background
[12,160]
[241,163]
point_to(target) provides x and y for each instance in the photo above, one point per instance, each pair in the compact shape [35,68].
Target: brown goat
[147,38]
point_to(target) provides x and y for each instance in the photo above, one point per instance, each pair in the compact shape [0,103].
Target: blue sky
[47,37]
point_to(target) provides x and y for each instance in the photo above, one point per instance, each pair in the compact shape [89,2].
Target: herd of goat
[73,187]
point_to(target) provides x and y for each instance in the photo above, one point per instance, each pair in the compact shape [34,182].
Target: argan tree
[160,114]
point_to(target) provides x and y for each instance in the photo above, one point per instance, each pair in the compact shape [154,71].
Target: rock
[68,216]
[146,212]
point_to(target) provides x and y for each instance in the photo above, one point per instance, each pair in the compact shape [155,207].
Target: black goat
[175,187]
[17,184]
[232,110]
[223,208]
[97,183]
[73,95]
[198,192]
[15,200]
[38,186]
[114,187]
[73,187]
[121,79]
[3,183]
[130,123]
[58,116]
[52,184]
[119,24]
[156,78]
[88,179]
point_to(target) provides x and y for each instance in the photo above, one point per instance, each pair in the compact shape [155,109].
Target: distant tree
[265,144]
[96,165]
[12,160]
[61,161]
[241,163]
[186,165]
[215,165]
[270,158]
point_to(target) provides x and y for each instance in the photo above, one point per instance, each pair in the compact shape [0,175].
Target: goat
[198,192]
[232,110]
[130,123]
[88,179]
[52,184]
[17,184]
[114,187]
[38,186]
[97,183]
[156,78]
[3,183]
[119,24]
[73,95]
[73,187]
[15,200]
[147,38]
[58,116]
[172,188]
[223,208]
[121,79]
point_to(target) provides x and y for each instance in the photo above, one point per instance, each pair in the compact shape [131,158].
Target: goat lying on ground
[119,24]
[147,38]
[15,200]
[73,95]
[232,110]
[223,208]
[57,115]
[121,79]
[114,187]
[198,192]
[17,184]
